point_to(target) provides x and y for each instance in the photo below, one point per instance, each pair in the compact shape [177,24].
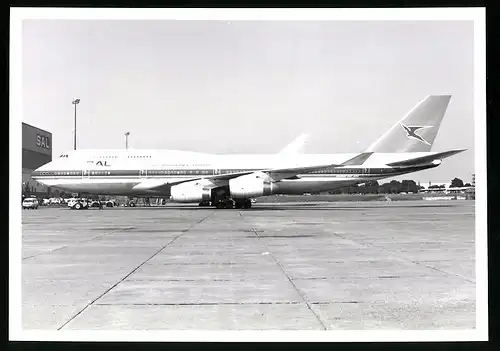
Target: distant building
[443,187]
[440,184]
[37,151]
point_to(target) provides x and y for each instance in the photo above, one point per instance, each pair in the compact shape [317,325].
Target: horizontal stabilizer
[425,159]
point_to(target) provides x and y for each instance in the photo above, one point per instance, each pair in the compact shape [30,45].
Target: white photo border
[477,15]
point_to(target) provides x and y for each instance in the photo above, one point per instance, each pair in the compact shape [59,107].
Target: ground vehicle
[95,203]
[111,203]
[30,202]
[78,203]
[55,201]
[107,203]
[130,203]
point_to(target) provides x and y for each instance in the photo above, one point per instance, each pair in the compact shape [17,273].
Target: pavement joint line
[197,280]
[292,283]
[337,302]
[423,261]
[208,264]
[256,232]
[78,242]
[203,303]
[134,270]
[418,263]
[361,278]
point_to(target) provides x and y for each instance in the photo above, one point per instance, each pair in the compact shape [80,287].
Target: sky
[247,86]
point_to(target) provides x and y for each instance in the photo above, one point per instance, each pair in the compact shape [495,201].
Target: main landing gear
[230,203]
[221,198]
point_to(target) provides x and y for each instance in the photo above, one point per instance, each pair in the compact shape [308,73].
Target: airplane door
[86,171]
[143,173]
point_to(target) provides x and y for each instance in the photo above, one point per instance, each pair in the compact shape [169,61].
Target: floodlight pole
[75,102]
[126,140]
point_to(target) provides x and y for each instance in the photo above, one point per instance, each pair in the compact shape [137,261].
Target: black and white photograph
[286,174]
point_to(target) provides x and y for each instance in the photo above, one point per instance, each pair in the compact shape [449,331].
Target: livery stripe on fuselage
[166,173]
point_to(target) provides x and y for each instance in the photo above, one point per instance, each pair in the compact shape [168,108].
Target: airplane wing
[282,173]
[276,174]
[417,161]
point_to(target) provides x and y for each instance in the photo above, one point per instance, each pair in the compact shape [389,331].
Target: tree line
[394,187]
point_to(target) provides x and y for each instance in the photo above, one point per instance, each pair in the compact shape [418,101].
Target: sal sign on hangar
[42,141]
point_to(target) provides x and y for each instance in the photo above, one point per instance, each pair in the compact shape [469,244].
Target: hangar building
[37,151]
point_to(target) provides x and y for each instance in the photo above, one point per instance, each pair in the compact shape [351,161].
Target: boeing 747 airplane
[231,181]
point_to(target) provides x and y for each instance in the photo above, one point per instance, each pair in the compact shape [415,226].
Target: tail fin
[416,131]
[296,146]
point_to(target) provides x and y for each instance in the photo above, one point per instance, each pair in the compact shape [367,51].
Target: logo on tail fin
[411,132]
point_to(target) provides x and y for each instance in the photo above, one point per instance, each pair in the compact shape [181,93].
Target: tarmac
[316,266]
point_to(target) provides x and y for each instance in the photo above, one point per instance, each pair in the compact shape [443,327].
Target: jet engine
[190,192]
[251,185]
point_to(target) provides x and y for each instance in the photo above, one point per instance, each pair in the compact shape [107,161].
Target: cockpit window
[64,155]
